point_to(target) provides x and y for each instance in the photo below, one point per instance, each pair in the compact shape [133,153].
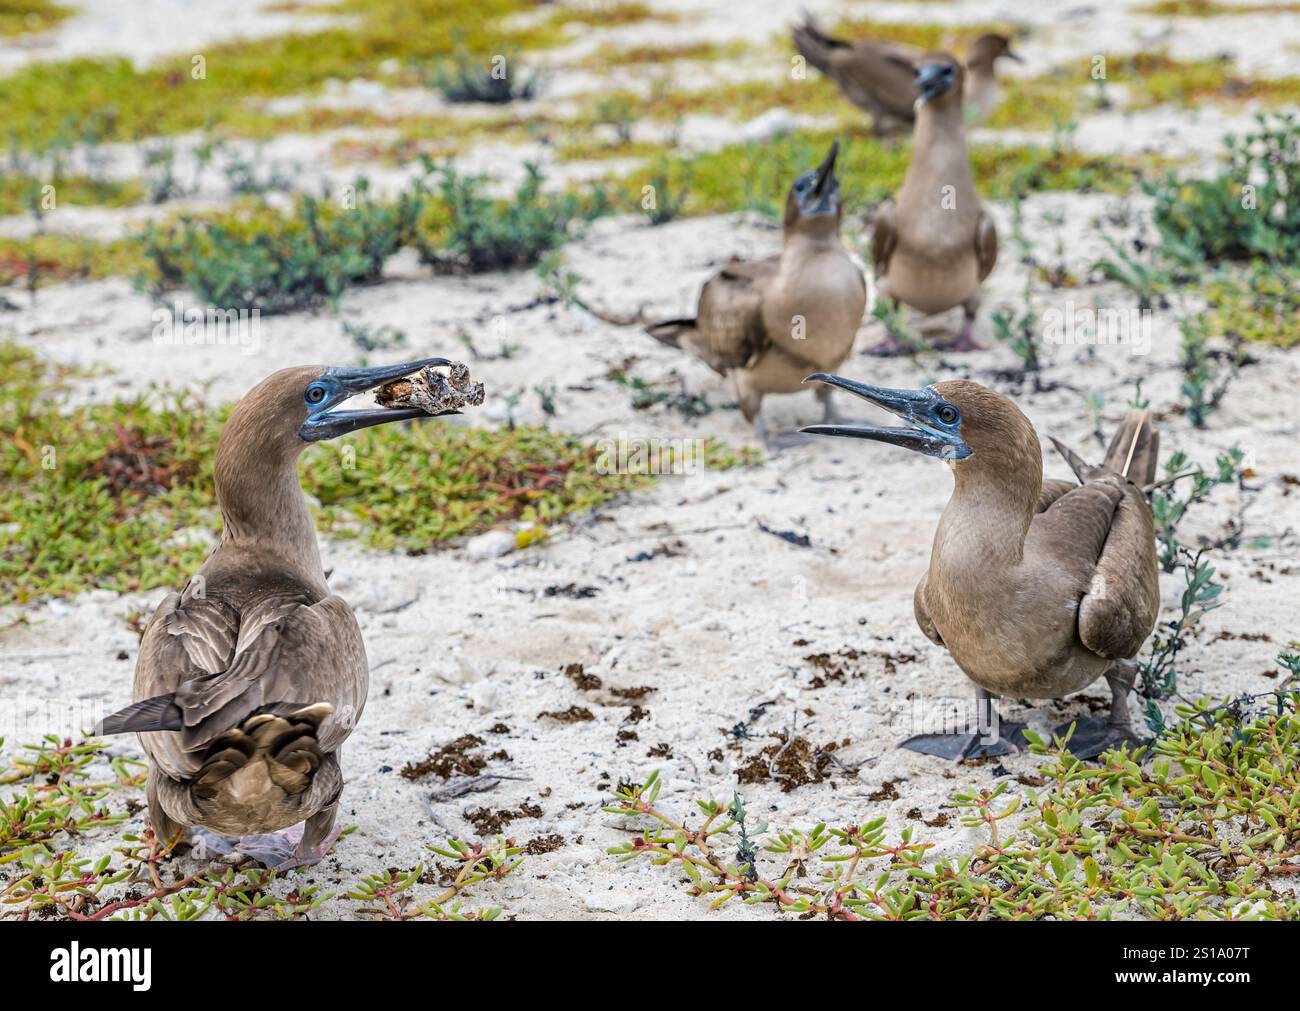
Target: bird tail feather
[671,331]
[158,713]
[814,45]
[1133,452]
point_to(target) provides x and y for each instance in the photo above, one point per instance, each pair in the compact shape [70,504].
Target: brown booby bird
[933,244]
[251,678]
[766,322]
[1037,588]
[877,75]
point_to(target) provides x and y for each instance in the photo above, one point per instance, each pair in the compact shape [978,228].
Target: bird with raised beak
[1037,588]
[878,76]
[933,244]
[251,678]
[767,322]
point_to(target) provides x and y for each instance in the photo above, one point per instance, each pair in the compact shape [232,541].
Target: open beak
[323,422]
[915,407]
[821,198]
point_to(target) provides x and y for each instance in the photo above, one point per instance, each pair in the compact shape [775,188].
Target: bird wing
[729,324]
[282,651]
[922,613]
[884,237]
[1103,532]
[876,76]
[986,244]
[1123,600]
[1053,488]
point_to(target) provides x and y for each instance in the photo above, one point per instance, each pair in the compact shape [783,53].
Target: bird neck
[813,235]
[262,504]
[993,501]
[939,156]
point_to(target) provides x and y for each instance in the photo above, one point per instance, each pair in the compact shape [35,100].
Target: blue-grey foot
[279,851]
[1093,736]
[958,747]
[991,736]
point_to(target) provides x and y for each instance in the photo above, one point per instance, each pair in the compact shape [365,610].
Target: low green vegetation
[495,79]
[607,14]
[1037,103]
[608,56]
[18,17]
[258,258]
[93,497]
[19,194]
[53,257]
[253,256]
[220,86]
[954,38]
[1213,9]
[1246,210]
[61,794]
[757,177]
[1257,301]
[476,232]
[1233,238]
[1201,831]
[414,487]
[119,496]
[1156,78]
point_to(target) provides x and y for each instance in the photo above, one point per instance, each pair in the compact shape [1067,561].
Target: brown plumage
[767,322]
[251,678]
[1036,588]
[933,244]
[879,76]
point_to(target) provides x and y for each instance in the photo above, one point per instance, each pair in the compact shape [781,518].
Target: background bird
[877,75]
[765,322]
[252,677]
[1036,588]
[933,244]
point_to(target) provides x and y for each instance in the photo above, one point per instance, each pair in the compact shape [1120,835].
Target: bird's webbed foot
[959,747]
[1094,736]
[278,851]
[992,736]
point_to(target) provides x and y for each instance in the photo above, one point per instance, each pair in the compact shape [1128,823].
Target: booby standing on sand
[249,681]
[1036,588]
[877,75]
[933,244]
[767,322]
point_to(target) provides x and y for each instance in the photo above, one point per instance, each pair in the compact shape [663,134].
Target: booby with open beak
[1036,588]
[767,322]
[251,678]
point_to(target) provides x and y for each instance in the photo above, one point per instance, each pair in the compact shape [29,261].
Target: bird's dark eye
[948,414]
[315,394]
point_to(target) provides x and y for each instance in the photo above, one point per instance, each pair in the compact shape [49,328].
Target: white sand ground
[721,624]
